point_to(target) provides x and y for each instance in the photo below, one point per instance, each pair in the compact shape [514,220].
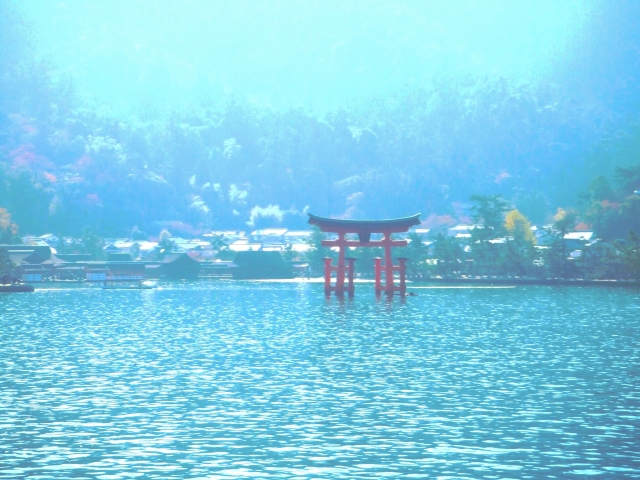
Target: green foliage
[565,220]
[417,253]
[628,178]
[366,259]
[630,255]
[288,254]
[488,210]
[317,253]
[6,268]
[448,254]
[599,190]
[164,248]
[425,146]
[92,243]
[556,256]
[218,242]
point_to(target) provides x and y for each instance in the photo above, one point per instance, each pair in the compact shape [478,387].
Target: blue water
[234,380]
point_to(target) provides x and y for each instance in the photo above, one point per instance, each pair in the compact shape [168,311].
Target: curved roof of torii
[392,225]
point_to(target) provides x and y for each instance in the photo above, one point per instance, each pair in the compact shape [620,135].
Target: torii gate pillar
[364,229]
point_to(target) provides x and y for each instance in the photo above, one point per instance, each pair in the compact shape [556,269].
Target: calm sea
[222,379]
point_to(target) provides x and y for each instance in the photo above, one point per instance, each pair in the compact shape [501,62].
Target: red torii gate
[364,229]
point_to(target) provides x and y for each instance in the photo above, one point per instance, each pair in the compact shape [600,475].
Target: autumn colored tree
[519,227]
[8,229]
[519,251]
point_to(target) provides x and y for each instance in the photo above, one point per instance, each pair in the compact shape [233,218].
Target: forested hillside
[66,164]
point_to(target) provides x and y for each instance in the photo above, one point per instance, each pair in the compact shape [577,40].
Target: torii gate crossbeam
[364,229]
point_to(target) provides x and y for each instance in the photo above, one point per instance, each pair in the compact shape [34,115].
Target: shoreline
[530,281]
[16,288]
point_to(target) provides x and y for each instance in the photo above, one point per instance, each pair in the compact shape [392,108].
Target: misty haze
[319,239]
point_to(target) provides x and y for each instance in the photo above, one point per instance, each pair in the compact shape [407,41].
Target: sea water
[223,379]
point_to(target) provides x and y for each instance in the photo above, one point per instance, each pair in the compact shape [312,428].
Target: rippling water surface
[236,380]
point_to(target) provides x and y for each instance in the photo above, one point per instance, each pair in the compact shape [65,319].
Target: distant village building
[179,266]
[227,235]
[124,271]
[464,230]
[577,240]
[217,269]
[74,257]
[119,257]
[43,250]
[261,265]
[268,235]
[244,246]
[423,233]
[297,236]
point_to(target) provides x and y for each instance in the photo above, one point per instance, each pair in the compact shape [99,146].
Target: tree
[448,255]
[628,178]
[166,245]
[317,253]
[519,227]
[519,250]
[221,248]
[565,220]
[599,189]
[8,229]
[92,243]
[288,254]
[630,251]
[489,210]
[218,242]
[417,253]
[556,256]
[619,218]
[366,259]
[6,267]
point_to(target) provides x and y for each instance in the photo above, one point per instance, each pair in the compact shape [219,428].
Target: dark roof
[34,259]
[364,226]
[258,259]
[25,257]
[74,257]
[119,257]
[18,258]
[43,250]
[54,260]
[172,257]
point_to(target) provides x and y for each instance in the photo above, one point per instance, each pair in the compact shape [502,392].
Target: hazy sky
[282,53]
